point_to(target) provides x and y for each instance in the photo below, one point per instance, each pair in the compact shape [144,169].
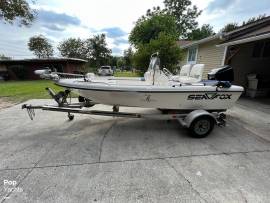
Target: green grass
[127,74]
[19,91]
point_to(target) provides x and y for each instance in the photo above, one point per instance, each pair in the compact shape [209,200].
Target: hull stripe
[141,91]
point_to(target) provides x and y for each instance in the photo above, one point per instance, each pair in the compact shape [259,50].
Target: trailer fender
[193,115]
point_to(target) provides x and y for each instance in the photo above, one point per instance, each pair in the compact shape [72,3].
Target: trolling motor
[60,97]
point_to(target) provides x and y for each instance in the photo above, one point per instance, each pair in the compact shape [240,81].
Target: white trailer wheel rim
[201,127]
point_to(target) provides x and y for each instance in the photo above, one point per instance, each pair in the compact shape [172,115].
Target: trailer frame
[185,119]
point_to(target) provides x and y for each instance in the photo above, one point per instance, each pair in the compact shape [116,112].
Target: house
[204,51]
[246,49]
[24,69]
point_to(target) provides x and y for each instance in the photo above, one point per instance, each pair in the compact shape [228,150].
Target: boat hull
[185,97]
[164,100]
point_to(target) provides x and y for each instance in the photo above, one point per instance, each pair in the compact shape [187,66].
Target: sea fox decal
[209,96]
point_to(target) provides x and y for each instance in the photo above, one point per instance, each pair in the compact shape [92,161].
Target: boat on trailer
[196,105]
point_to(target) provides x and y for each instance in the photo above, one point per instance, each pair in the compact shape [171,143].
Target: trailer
[199,122]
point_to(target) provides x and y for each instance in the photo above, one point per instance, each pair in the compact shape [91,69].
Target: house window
[192,55]
[261,49]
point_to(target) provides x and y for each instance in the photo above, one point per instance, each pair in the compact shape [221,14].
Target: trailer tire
[201,126]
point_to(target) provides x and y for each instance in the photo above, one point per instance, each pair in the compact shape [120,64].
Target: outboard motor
[225,73]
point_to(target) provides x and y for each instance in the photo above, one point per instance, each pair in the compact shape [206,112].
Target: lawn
[19,91]
[127,74]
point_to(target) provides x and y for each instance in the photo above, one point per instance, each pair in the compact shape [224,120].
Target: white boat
[155,91]
[196,104]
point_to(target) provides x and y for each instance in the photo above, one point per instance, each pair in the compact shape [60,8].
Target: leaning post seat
[195,74]
[184,73]
[185,70]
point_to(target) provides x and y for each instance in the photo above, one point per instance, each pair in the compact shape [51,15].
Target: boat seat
[195,75]
[185,70]
[184,73]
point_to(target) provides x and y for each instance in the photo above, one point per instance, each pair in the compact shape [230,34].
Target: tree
[169,52]
[3,57]
[128,55]
[150,13]
[120,62]
[97,51]
[40,46]
[229,27]
[72,48]
[150,28]
[10,10]
[253,19]
[184,13]
[113,61]
[93,49]
[205,31]
[157,33]
[233,26]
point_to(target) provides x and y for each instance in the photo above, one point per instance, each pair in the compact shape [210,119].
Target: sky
[61,19]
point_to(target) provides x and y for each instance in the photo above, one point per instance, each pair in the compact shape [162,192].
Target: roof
[248,26]
[204,40]
[245,40]
[184,42]
[251,30]
[42,60]
[261,32]
[257,32]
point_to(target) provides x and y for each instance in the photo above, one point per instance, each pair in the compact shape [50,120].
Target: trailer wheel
[201,126]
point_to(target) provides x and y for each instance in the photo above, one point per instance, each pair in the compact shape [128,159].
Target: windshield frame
[154,63]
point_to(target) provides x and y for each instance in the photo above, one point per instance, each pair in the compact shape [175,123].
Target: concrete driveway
[97,159]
